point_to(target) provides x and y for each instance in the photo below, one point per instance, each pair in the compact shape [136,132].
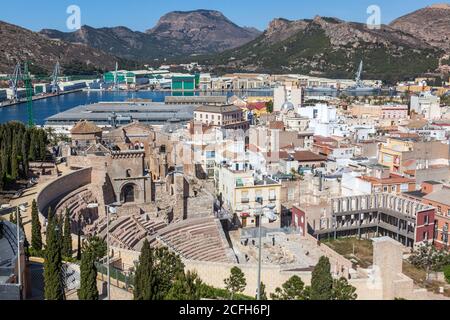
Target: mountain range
[411,45]
[176,34]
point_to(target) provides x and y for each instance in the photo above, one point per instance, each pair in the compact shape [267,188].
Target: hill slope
[431,24]
[331,47]
[19,44]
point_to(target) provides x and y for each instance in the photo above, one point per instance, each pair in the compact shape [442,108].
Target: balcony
[245,200]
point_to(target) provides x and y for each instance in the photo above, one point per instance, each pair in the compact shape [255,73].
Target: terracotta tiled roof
[308,156]
[276,125]
[85,127]
[393,179]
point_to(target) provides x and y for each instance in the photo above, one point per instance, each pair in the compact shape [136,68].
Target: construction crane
[55,76]
[29,90]
[14,81]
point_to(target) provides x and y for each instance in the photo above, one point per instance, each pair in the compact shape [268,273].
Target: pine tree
[342,290]
[67,240]
[293,289]
[185,287]
[167,265]
[145,284]
[36,236]
[322,281]
[53,285]
[88,282]
[236,282]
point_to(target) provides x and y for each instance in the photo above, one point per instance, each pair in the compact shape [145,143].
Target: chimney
[431,186]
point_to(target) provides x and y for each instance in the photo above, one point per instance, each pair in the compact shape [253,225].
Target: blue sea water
[42,109]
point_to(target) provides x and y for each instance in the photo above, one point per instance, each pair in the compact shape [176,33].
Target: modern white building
[427,105]
[283,94]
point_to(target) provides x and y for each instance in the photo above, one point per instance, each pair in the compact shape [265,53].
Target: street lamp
[19,209]
[260,215]
[110,209]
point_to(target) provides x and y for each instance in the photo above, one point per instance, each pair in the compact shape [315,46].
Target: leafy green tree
[156,272]
[167,266]
[53,284]
[429,258]
[36,236]
[88,277]
[187,286]
[447,274]
[236,282]
[342,290]
[12,218]
[67,237]
[269,106]
[98,247]
[293,289]
[322,281]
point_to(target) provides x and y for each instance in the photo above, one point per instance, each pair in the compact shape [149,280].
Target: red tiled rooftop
[393,179]
[305,156]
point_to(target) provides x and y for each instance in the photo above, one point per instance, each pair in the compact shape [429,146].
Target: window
[445,233]
[244,197]
[272,195]
[291,194]
[385,189]
[426,220]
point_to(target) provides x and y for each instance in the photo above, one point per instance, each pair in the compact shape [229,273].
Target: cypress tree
[79,243]
[145,284]
[322,281]
[88,282]
[36,236]
[53,285]
[67,240]
[14,164]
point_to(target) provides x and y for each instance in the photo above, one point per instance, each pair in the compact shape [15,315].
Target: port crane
[359,74]
[14,80]
[55,76]
[29,90]
[116,78]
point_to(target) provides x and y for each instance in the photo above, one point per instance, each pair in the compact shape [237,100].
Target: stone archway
[128,193]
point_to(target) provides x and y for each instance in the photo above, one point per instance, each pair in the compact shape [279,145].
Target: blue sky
[143,14]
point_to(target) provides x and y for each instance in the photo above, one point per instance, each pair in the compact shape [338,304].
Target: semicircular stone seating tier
[195,239]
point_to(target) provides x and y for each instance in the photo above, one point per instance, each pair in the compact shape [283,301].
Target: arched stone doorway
[128,193]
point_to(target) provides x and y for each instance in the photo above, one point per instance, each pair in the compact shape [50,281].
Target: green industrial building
[128,77]
[185,83]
